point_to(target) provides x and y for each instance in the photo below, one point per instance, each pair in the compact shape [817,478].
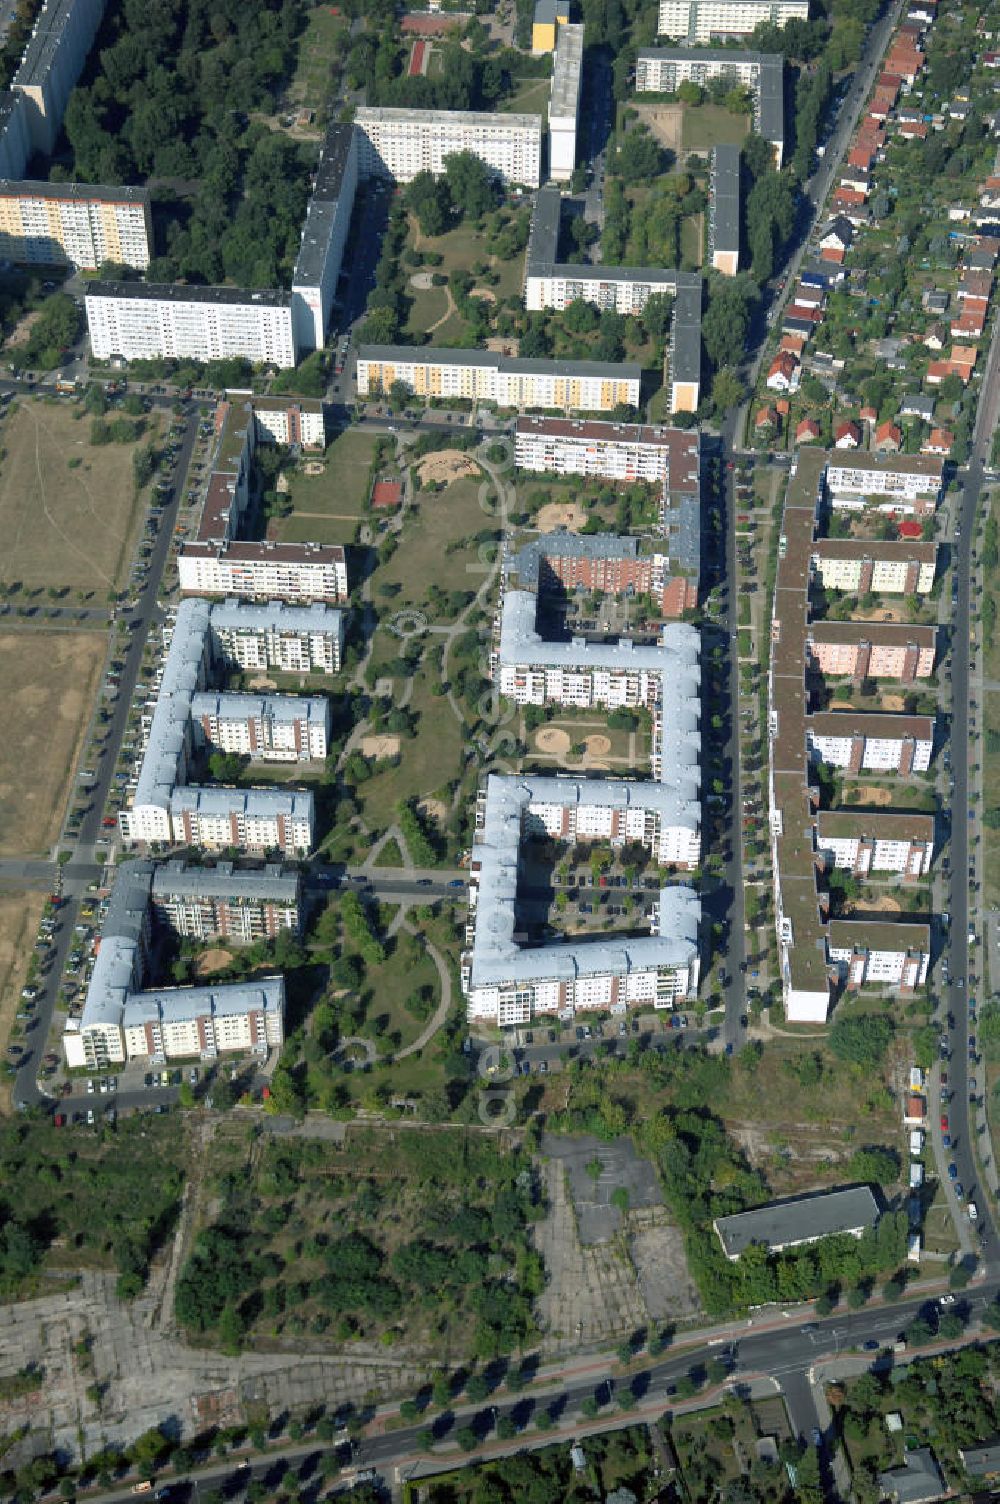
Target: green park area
[706,125]
[320,46]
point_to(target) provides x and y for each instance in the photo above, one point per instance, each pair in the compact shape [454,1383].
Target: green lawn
[317,48]
[342,489]
[313,530]
[437,522]
[692,240]
[429,760]
[707,125]
[429,304]
[531,97]
[460,248]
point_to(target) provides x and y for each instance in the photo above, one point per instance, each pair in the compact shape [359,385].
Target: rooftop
[284,709]
[447,120]
[486,359]
[244,551]
[866,935]
[321,214]
[725,201]
[177,879]
[881,727]
[84,193]
[564,98]
[181,1005]
[882,633]
[251,803]
[879,825]
[184,292]
[803,1219]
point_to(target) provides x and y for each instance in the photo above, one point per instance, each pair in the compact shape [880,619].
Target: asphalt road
[86,863]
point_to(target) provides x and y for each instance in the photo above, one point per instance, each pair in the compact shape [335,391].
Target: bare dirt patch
[881,613]
[486,293]
[503,344]
[212,960]
[422,280]
[841,705]
[47,686]
[892,702]
[380,746]
[567,514]
[664,121]
[313,467]
[598,746]
[262,682]
[870,793]
[551,739]
[433,809]
[19,916]
[446,466]
[884,904]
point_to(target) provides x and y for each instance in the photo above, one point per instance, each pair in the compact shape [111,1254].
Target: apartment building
[858,566]
[399,143]
[564,102]
[291,421]
[121,1021]
[162,809]
[295,639]
[480,375]
[662,70]
[205,903]
[698,21]
[883,841]
[299,572]
[891,482]
[862,743]
[256,820]
[575,562]
[549,283]
[324,234]
[871,650]
[149,321]
[724,210]
[74,224]
[816,953]
[15,143]
[50,66]
[880,955]
[271,728]
[508,984]
[624,452]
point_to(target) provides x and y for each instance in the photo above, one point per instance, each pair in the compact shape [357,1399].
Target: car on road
[946,1300]
[543,1067]
[959,1190]
[953,1171]
[872,1345]
[945,1125]
[457,882]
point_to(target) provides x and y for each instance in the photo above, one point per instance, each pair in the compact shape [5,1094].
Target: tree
[639,157]
[472,185]
[862,1040]
[429,198]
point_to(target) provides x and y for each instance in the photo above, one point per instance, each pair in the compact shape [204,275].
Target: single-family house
[807,432]
[869,415]
[783,373]
[938,441]
[935,302]
[915,405]
[888,438]
[765,420]
[936,337]
[846,436]
[917,1481]
[989,196]
[836,239]
[914,130]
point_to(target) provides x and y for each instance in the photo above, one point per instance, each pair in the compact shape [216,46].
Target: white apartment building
[399,143]
[324,234]
[859,565]
[204,903]
[564,102]
[616,451]
[120,1021]
[264,571]
[662,70]
[297,420]
[74,224]
[480,375]
[883,842]
[892,482]
[294,639]
[259,820]
[698,21]
[15,143]
[507,984]
[162,808]
[52,62]
[145,321]
[871,743]
[272,728]
[896,956]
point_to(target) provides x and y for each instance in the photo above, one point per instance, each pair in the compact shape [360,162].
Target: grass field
[429,760]
[342,489]
[19,916]
[47,685]
[296,529]
[429,305]
[310,88]
[711,125]
[531,97]
[68,528]
[462,246]
[437,520]
[692,240]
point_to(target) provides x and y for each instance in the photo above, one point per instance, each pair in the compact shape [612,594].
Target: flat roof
[446,120]
[802,1219]
[886,550]
[267,803]
[245,552]
[685,330]
[881,464]
[676,654]
[178,879]
[181,1005]
[277,616]
[873,934]
[185,292]
[878,825]
[564,97]
[324,205]
[441,355]
[543,249]
[881,633]
[284,709]
[887,727]
[78,192]
[724,206]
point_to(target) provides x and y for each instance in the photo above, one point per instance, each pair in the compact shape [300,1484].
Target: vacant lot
[708,125]
[19,916]
[47,684]
[67,507]
[342,489]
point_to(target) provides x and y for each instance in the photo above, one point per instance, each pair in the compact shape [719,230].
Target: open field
[342,489]
[428,760]
[707,125]
[19,916]
[693,240]
[531,97]
[458,249]
[68,510]
[47,685]
[437,544]
[310,88]
[429,306]
[309,529]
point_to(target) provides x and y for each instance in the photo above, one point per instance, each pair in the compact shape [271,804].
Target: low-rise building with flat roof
[877,841]
[798,1221]
[724,210]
